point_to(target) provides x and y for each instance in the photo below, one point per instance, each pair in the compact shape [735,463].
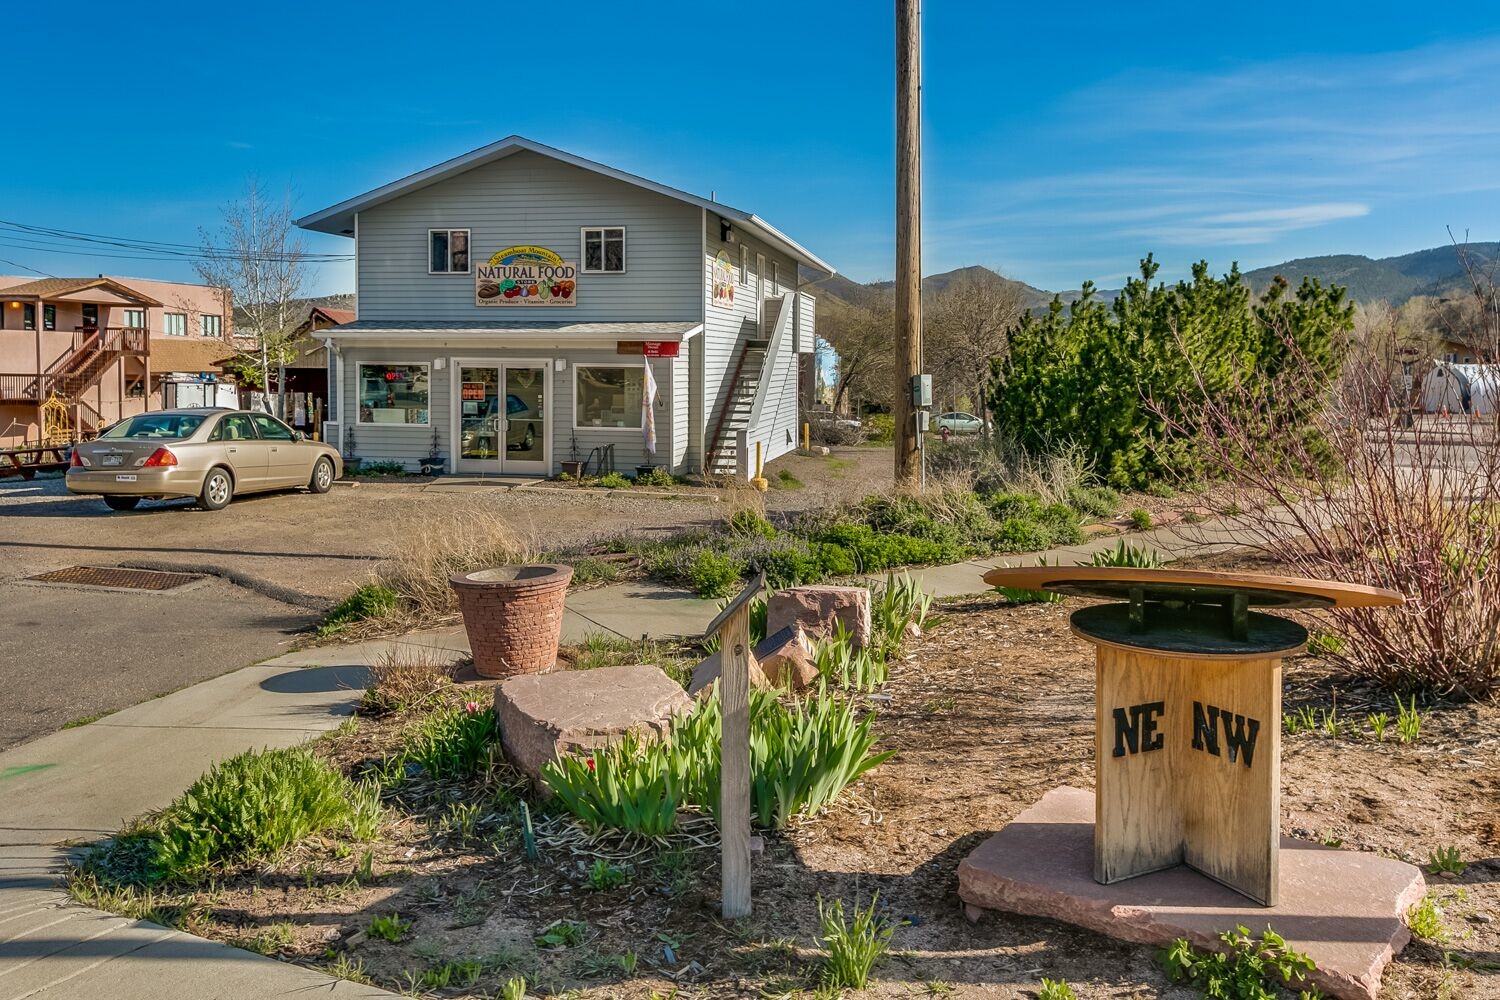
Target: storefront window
[608,396]
[393,394]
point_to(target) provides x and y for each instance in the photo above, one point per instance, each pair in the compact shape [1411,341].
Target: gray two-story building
[519,307]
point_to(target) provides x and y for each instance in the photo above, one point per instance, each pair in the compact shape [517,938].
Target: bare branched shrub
[1358,490]
[426,553]
[404,678]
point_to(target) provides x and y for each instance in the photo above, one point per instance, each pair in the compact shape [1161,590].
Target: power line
[55,240]
[27,267]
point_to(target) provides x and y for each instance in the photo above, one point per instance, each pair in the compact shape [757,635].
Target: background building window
[393,394]
[174,324]
[135,319]
[447,251]
[608,396]
[213,326]
[49,317]
[604,250]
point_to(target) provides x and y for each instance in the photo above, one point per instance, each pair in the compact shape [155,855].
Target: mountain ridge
[1435,271]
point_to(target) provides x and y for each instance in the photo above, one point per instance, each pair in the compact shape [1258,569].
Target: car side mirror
[298,436]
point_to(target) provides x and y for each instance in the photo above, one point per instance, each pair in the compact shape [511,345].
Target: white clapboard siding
[527,199]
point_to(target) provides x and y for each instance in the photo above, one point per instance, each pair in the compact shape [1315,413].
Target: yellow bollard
[806,436]
[759,482]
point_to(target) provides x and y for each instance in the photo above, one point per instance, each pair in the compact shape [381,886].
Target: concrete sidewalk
[631,610]
[80,785]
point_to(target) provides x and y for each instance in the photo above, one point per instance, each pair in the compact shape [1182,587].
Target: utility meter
[921,391]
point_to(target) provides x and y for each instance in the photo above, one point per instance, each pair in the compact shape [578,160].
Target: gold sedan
[210,454]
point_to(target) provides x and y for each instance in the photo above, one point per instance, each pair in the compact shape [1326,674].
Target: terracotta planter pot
[513,616]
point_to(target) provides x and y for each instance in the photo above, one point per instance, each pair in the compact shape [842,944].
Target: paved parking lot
[67,653]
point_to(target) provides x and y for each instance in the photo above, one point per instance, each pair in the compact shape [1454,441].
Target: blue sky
[1062,142]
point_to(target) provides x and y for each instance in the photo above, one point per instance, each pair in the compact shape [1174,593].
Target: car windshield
[156,427]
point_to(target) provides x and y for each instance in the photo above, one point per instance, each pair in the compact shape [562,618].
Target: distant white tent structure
[1459,388]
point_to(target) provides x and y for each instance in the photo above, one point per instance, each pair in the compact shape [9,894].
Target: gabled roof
[53,288]
[335,316]
[339,219]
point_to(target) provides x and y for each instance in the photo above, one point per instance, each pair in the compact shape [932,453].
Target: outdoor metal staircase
[734,413]
[79,369]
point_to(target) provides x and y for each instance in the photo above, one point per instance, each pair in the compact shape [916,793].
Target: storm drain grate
[115,576]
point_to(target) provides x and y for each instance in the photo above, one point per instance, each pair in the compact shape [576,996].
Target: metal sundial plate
[1198,631]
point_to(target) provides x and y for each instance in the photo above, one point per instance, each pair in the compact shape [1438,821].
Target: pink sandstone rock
[544,715]
[786,658]
[1342,909]
[706,676]
[816,609]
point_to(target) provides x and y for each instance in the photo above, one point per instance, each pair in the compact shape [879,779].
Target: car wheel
[218,490]
[121,503]
[322,476]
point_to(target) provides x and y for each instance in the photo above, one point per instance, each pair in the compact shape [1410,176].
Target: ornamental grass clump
[851,948]
[250,807]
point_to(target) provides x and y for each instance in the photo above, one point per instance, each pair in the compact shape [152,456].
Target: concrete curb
[255,584]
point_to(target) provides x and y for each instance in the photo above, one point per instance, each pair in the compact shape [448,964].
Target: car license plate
[124,479]
[112,460]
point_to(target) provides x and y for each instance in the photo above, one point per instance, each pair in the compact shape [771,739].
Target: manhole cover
[115,576]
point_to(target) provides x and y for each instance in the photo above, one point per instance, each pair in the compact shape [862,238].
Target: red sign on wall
[650,348]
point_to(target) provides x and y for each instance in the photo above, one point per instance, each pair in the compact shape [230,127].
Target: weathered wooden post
[732,625]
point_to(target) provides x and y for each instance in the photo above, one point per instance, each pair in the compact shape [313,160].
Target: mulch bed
[986,713]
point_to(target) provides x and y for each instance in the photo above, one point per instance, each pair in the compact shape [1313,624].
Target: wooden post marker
[1187,746]
[733,629]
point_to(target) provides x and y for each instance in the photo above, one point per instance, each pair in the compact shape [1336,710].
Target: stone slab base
[1342,909]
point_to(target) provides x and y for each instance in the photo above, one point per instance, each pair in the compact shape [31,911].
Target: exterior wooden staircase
[94,353]
[734,414]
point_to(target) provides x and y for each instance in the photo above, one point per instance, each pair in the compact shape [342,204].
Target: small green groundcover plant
[369,601]
[876,534]
[1245,968]
[250,807]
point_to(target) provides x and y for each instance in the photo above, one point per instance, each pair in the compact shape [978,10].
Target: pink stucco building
[104,347]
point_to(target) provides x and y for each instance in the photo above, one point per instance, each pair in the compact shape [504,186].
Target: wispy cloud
[1246,157]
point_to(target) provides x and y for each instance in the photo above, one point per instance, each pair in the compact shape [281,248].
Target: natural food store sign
[526,276]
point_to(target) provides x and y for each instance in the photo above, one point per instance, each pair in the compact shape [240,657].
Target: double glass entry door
[502,419]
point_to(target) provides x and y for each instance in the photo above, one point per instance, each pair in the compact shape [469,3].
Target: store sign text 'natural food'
[526,276]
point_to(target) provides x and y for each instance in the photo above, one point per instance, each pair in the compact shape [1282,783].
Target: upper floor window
[213,326]
[744,265]
[447,251]
[135,319]
[174,324]
[604,250]
[28,316]
[775,279]
[90,315]
[49,317]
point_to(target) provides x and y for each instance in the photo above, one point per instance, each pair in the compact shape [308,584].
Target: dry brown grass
[402,679]
[425,554]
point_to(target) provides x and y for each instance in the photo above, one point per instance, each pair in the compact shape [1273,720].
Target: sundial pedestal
[1180,837]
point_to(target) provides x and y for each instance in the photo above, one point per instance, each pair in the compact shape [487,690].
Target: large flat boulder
[816,610]
[542,716]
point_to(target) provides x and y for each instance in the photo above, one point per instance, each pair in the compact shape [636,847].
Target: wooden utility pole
[908,235]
